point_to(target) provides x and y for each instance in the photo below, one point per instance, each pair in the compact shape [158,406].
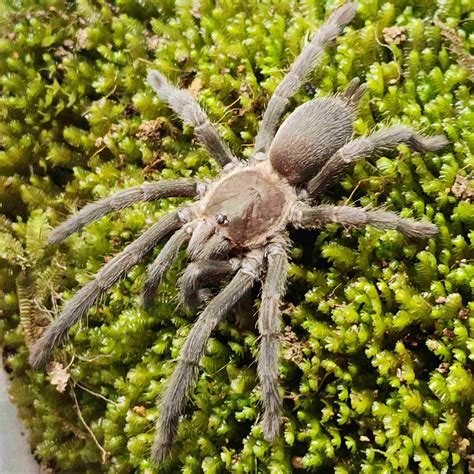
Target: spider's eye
[222,219]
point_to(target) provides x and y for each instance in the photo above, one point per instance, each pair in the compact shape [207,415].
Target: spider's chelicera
[236,229]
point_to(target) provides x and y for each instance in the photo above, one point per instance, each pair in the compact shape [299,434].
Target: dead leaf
[196,9]
[82,38]
[470,459]
[292,346]
[139,410]
[152,43]
[462,445]
[448,334]
[151,130]
[195,87]
[297,462]
[462,188]
[470,425]
[463,313]
[394,34]
[68,43]
[400,374]
[443,367]
[59,375]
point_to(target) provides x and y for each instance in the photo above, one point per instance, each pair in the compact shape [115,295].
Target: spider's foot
[343,14]
[41,350]
[420,230]
[149,293]
[160,451]
[271,425]
[58,235]
[433,143]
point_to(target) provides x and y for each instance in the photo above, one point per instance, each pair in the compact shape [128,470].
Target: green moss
[377,370]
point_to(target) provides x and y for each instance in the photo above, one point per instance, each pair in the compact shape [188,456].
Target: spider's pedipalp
[164,260]
[216,247]
[202,233]
[203,271]
[269,326]
[185,373]
[319,216]
[183,103]
[122,199]
[363,147]
[299,71]
[77,307]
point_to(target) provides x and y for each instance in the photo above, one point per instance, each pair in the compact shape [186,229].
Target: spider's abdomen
[249,205]
[309,136]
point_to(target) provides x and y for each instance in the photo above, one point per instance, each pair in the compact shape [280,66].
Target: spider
[237,228]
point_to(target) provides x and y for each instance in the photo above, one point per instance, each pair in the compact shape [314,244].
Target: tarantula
[237,227]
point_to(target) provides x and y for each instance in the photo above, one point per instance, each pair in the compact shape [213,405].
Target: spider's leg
[269,325]
[216,247]
[354,91]
[77,307]
[202,233]
[318,216]
[121,200]
[244,313]
[184,376]
[363,147]
[183,103]
[203,271]
[299,71]
[164,260]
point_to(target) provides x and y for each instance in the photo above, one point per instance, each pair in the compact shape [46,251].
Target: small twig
[399,70]
[70,363]
[99,150]
[93,359]
[333,292]
[105,454]
[96,394]
[228,109]
[146,61]
[362,181]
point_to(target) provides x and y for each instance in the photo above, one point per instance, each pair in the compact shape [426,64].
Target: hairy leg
[245,312]
[184,376]
[318,216]
[163,262]
[77,307]
[354,91]
[183,103]
[298,72]
[121,200]
[363,147]
[269,325]
[203,271]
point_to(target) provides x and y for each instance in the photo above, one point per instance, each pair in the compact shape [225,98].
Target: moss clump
[377,364]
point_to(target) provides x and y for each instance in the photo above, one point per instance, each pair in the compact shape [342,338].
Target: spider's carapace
[249,205]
